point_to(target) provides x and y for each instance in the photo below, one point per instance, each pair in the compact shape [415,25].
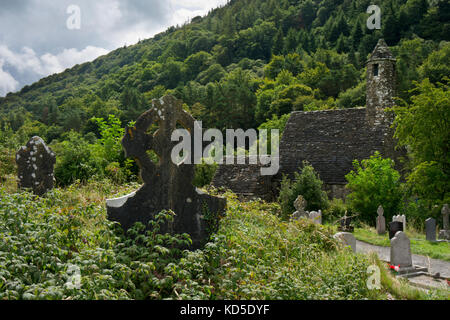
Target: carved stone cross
[167,185]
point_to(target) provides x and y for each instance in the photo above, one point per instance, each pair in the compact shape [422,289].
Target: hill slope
[238,66]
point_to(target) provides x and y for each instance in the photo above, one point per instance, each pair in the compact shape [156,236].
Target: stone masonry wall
[245,180]
[330,141]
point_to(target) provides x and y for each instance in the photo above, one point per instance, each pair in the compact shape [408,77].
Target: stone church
[328,139]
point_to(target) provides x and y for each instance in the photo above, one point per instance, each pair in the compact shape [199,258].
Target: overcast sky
[41,37]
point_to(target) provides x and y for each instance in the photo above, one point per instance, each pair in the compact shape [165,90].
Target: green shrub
[335,211]
[374,182]
[7,162]
[418,210]
[308,184]
[76,161]
[204,174]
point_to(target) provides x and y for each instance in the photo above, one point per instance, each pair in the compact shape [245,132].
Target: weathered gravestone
[402,219]
[394,227]
[316,217]
[300,205]
[167,185]
[444,234]
[35,163]
[430,227]
[347,239]
[381,221]
[401,250]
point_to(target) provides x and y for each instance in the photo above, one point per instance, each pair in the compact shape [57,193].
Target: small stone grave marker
[430,226]
[300,205]
[401,250]
[444,234]
[394,227]
[381,221]
[35,163]
[316,216]
[346,238]
[402,219]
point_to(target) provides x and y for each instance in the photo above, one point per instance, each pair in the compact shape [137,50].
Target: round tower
[381,80]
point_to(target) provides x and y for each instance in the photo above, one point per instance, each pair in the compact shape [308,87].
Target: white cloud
[182,10]
[27,59]
[41,44]
[7,81]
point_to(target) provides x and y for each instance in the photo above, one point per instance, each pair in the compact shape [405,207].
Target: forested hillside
[241,65]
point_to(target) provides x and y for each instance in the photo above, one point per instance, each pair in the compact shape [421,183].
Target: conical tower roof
[381,52]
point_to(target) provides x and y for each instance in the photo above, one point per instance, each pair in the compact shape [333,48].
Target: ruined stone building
[328,139]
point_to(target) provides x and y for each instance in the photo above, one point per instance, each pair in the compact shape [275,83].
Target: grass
[419,244]
[399,289]
[253,255]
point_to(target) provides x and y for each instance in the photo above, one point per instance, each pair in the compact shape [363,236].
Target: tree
[278,42]
[436,66]
[374,182]
[308,184]
[424,127]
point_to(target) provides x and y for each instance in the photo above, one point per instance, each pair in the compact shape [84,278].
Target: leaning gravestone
[347,239]
[394,227]
[430,227]
[401,250]
[300,205]
[167,185]
[381,221]
[444,234]
[35,163]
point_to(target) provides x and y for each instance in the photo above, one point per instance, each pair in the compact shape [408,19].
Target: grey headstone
[167,186]
[35,163]
[445,217]
[381,221]
[444,234]
[394,227]
[316,217]
[401,250]
[347,239]
[402,219]
[430,226]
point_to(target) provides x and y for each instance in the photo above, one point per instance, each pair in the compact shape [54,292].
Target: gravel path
[434,265]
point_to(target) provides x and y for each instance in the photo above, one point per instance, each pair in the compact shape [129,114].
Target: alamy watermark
[74,20]
[374,280]
[185,153]
[74,277]
[374,21]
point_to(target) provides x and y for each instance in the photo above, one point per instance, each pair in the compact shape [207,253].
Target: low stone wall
[245,180]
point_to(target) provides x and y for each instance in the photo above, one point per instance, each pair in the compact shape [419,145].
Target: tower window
[375,70]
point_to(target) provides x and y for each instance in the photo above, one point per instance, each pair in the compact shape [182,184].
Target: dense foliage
[245,65]
[62,247]
[374,182]
[240,65]
[424,126]
[306,183]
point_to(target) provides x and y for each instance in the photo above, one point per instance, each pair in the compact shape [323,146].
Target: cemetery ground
[419,245]
[47,242]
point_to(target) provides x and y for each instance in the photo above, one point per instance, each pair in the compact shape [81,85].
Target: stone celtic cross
[167,185]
